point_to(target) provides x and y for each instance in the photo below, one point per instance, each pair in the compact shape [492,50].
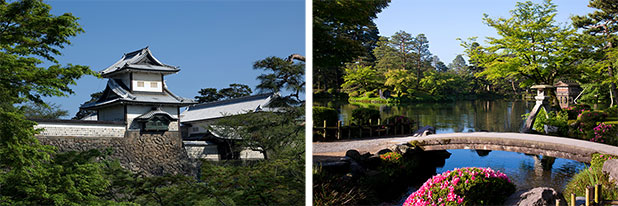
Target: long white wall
[77,129]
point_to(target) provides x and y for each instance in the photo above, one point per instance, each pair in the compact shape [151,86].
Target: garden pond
[526,171]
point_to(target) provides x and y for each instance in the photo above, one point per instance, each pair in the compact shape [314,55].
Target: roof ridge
[228,101]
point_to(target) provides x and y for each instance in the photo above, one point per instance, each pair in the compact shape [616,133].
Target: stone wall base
[147,153]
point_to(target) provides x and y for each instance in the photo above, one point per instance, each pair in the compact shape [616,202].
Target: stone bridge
[567,148]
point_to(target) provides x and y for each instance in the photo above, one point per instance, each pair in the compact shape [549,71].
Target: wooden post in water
[597,193]
[324,135]
[558,202]
[588,195]
[572,199]
[338,134]
[370,129]
[379,128]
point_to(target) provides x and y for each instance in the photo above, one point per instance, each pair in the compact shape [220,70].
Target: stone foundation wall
[150,153]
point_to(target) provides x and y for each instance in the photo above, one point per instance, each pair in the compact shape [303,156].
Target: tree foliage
[343,30]
[232,92]
[282,75]
[271,133]
[38,111]
[361,79]
[600,28]
[532,46]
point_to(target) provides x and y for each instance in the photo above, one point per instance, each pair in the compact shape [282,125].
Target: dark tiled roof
[116,91]
[139,60]
[156,111]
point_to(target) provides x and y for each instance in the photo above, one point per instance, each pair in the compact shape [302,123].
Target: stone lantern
[542,95]
[566,92]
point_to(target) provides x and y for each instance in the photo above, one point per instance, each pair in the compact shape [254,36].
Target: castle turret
[136,93]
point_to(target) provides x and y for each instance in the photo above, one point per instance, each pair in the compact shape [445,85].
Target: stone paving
[561,147]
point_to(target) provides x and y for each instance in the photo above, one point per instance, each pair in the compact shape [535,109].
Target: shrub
[391,157]
[331,189]
[591,176]
[324,113]
[465,186]
[362,116]
[605,133]
[574,110]
[612,111]
[586,121]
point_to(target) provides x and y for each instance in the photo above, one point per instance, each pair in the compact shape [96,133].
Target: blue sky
[443,21]
[215,43]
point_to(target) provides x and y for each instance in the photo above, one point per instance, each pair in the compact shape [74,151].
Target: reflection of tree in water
[461,116]
[540,173]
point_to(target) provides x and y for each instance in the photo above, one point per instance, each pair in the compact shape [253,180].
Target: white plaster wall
[62,129]
[147,78]
[199,127]
[208,152]
[134,111]
[250,155]
[113,113]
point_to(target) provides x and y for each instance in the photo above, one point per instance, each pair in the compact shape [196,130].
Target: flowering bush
[465,186]
[575,110]
[586,121]
[604,133]
[391,157]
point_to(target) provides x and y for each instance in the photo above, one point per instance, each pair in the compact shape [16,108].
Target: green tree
[601,27]
[38,111]
[232,92]
[343,30]
[235,91]
[438,65]
[420,47]
[208,95]
[459,64]
[361,79]
[400,80]
[28,174]
[84,113]
[533,48]
[283,75]
[270,133]
[394,52]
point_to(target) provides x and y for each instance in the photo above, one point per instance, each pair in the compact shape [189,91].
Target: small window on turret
[140,84]
[153,85]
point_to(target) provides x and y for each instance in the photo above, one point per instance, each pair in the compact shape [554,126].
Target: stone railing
[79,128]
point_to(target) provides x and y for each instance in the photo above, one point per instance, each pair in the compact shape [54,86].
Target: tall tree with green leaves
[602,26]
[532,46]
[343,30]
[283,76]
[422,58]
[361,79]
[38,111]
[395,52]
[29,36]
[232,92]
[459,64]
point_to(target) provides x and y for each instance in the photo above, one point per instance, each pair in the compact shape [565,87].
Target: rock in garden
[539,196]
[611,167]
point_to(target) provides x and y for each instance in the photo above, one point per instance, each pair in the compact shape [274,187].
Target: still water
[460,116]
[525,171]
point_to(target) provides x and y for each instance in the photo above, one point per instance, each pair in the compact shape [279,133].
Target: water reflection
[460,116]
[526,171]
